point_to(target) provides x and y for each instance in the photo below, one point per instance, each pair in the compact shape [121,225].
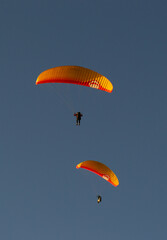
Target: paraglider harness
[99,199]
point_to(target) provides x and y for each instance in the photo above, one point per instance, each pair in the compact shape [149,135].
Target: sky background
[42,194]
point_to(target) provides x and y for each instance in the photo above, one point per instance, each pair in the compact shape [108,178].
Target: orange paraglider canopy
[100,169]
[75,75]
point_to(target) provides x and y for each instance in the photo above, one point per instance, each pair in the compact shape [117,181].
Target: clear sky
[42,194]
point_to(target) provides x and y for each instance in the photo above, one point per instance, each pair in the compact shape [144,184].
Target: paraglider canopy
[75,75]
[100,169]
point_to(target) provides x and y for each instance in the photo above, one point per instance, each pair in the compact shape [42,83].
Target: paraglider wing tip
[78,166]
[115,184]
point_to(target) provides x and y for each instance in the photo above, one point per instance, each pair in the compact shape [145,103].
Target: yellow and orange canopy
[100,169]
[75,75]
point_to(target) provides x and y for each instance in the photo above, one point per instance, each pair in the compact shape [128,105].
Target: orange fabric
[75,75]
[100,169]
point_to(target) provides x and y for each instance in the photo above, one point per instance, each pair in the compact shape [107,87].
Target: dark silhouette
[78,116]
[99,199]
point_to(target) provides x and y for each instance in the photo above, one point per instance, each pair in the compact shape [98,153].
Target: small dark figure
[78,116]
[99,199]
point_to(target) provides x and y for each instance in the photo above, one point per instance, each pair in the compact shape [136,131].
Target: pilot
[78,116]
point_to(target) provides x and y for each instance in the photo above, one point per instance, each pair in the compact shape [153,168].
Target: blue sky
[43,195]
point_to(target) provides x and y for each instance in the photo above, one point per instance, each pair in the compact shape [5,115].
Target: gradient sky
[43,195]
